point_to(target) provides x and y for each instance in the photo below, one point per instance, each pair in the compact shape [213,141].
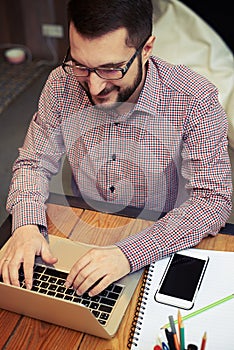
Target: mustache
[103,92]
[107,90]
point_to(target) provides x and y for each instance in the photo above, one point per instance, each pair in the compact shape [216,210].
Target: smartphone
[182,279]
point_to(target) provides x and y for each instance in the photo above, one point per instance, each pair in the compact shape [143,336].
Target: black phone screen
[182,277]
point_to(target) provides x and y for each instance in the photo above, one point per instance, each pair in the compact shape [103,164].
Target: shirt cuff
[139,251]
[33,213]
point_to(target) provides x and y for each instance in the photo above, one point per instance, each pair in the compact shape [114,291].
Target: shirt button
[112,189]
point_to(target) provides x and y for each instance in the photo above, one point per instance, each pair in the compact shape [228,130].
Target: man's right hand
[25,243]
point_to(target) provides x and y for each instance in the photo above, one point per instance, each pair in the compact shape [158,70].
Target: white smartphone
[182,279]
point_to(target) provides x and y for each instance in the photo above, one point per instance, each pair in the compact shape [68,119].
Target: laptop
[50,301]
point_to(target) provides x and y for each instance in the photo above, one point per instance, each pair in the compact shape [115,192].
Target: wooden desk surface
[21,332]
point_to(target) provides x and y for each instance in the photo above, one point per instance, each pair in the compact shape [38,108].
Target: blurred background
[39,28]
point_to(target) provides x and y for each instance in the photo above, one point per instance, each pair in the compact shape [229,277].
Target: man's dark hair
[94,18]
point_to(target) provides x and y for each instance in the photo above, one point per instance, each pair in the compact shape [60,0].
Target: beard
[123,94]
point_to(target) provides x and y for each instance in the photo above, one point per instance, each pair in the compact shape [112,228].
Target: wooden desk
[20,332]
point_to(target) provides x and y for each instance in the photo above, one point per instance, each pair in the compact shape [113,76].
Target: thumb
[47,255]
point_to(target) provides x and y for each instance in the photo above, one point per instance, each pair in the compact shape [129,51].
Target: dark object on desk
[228,229]
[170,339]
[192,347]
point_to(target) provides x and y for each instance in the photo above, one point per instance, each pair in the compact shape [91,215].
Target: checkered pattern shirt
[167,154]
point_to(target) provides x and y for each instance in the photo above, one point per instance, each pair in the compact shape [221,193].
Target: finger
[28,265]
[6,257]
[47,255]
[102,284]
[85,281]
[75,271]
[13,272]
[5,271]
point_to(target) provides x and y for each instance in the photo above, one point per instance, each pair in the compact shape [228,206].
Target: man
[136,131]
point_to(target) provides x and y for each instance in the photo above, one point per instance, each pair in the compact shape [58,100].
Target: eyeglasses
[72,68]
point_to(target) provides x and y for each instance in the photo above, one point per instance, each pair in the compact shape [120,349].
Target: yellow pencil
[179,320]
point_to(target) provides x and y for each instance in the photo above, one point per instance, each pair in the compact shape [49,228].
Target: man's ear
[147,49]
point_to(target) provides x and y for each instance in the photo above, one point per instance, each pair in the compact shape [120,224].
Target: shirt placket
[113,161]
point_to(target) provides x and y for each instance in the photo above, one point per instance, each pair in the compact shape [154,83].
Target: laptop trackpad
[67,251]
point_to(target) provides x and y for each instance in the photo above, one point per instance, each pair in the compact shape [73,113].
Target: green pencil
[182,341]
[205,308]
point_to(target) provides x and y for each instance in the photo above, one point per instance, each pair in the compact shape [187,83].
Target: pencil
[172,324]
[205,308]
[182,341]
[203,344]
[179,320]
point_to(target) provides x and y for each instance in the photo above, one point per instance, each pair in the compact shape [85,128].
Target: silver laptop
[50,301]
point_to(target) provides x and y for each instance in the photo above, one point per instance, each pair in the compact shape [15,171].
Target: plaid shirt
[168,154]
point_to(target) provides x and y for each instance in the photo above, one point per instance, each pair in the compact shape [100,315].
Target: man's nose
[95,83]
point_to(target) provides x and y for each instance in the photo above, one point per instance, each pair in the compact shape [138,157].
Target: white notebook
[218,321]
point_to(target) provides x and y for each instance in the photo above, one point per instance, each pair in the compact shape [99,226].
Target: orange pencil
[176,341]
[203,344]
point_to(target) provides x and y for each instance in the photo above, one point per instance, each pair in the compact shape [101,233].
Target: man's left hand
[99,267]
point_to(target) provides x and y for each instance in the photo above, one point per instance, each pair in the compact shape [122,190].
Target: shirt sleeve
[207,171]
[39,158]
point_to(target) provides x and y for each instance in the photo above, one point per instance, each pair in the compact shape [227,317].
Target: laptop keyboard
[47,280]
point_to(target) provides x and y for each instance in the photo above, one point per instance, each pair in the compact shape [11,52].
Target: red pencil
[203,344]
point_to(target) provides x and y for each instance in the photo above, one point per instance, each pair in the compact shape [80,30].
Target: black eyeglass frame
[123,70]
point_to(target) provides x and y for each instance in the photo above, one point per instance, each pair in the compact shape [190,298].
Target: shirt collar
[149,97]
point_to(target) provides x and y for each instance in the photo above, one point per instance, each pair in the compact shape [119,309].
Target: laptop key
[105,308]
[61,289]
[52,287]
[44,278]
[110,287]
[39,268]
[34,288]
[61,282]
[94,306]
[96,313]
[103,293]
[107,301]
[51,293]
[112,295]
[52,279]
[117,289]
[59,295]
[36,283]
[70,291]
[56,273]
[96,298]
[44,285]
[77,299]
[104,316]
[42,290]
[103,322]
[36,275]
[85,302]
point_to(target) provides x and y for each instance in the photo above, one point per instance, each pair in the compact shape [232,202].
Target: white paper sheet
[218,322]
